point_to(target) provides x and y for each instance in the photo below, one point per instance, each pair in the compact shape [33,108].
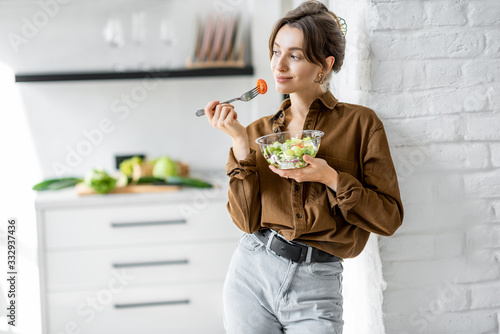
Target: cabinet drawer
[179,309]
[134,225]
[69,270]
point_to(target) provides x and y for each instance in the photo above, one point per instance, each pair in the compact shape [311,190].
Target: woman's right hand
[224,118]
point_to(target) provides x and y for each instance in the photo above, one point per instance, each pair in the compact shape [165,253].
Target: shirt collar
[326,100]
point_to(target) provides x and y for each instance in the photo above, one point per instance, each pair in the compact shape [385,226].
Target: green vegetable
[127,166]
[149,179]
[100,181]
[164,167]
[56,184]
[123,180]
[188,181]
[290,154]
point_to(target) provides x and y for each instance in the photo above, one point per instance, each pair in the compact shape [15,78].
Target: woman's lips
[282,79]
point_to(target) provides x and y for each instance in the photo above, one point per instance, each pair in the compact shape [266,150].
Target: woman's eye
[295,57]
[275,52]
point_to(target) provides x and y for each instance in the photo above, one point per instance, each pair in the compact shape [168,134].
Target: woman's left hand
[318,170]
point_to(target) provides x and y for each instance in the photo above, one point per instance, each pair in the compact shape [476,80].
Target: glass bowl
[285,150]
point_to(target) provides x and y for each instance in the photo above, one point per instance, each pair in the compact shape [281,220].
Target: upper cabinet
[94,40]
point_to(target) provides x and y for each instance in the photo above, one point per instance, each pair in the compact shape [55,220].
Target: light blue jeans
[267,294]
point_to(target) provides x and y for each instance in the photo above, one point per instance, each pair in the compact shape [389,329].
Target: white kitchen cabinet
[134,263]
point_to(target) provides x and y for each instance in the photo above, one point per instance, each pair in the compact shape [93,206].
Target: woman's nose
[281,64]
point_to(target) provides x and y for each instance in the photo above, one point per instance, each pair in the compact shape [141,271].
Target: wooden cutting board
[82,189]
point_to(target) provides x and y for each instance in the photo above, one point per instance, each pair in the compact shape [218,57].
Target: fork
[245,97]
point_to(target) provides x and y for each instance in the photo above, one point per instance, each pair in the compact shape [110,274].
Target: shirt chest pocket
[316,191]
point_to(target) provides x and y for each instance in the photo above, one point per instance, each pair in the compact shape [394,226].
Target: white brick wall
[362,280]
[435,78]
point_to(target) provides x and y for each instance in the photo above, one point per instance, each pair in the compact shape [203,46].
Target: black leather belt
[292,250]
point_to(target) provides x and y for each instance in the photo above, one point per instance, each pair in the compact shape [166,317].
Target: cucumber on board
[56,184]
[188,181]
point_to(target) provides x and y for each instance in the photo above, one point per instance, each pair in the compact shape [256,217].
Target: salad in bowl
[285,150]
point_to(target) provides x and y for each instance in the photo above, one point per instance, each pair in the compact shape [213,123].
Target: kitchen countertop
[69,197]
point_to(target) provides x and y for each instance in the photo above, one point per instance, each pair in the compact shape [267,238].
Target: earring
[320,78]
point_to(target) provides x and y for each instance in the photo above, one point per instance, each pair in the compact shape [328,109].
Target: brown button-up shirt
[367,198]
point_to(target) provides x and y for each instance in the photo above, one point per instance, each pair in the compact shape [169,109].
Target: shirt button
[297,187]
[299,215]
[275,130]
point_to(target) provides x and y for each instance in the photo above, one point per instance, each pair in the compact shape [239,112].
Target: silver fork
[245,97]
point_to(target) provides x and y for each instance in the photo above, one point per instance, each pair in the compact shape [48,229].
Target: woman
[299,224]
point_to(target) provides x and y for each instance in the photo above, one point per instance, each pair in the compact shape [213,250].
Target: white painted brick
[482,126]
[450,156]
[484,13]
[492,43]
[483,184]
[441,323]
[449,244]
[399,105]
[434,102]
[494,98]
[478,321]
[410,247]
[393,75]
[416,220]
[462,99]
[449,187]
[423,273]
[495,154]
[457,156]
[478,72]
[415,274]
[442,297]
[424,214]
[406,15]
[460,214]
[442,73]
[445,13]
[423,130]
[465,45]
[389,75]
[483,236]
[496,209]
[485,295]
[395,322]
[413,75]
[414,188]
[393,45]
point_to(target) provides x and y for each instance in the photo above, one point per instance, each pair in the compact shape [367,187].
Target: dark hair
[321,30]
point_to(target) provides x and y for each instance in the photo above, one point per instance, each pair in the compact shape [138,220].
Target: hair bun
[312,7]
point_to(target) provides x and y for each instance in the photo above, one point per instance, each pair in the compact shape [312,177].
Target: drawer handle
[160,222]
[154,263]
[168,302]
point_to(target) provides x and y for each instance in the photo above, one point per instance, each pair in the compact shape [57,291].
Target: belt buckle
[286,249]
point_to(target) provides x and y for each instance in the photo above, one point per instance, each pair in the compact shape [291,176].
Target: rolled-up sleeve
[244,203]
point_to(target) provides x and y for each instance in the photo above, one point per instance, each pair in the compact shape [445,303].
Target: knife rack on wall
[221,41]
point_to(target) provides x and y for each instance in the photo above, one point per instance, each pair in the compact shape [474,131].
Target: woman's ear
[330,60]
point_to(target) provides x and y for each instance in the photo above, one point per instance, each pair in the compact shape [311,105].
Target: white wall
[79,125]
[435,74]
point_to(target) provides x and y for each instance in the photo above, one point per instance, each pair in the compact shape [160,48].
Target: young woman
[299,224]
